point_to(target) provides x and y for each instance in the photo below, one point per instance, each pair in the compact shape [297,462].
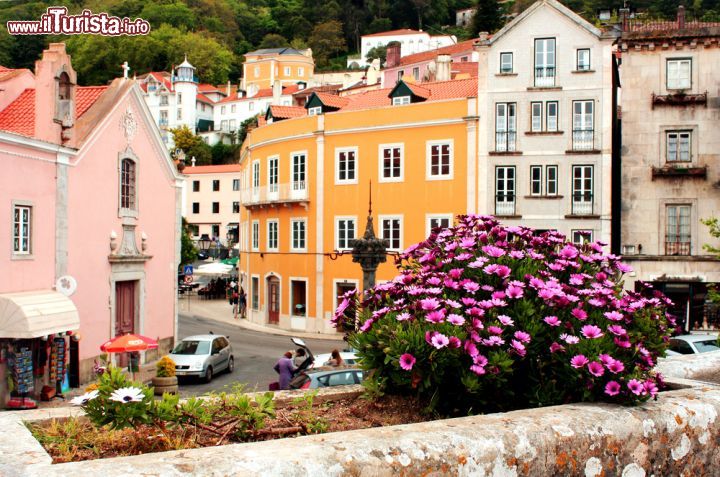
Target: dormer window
[400,100]
[315,111]
[404,93]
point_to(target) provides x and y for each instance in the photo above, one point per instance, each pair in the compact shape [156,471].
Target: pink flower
[407,361]
[455,342]
[367,325]
[479,370]
[498,295]
[556,347]
[613,315]
[579,313]
[522,336]
[623,343]
[505,320]
[455,273]
[650,388]
[615,366]
[596,368]
[514,292]
[576,279]
[468,301]
[502,271]
[493,251]
[518,347]
[455,319]
[612,388]
[433,281]
[494,330]
[470,286]
[478,263]
[403,316]
[470,348]
[569,252]
[617,330]
[623,267]
[569,339]
[552,320]
[591,332]
[439,341]
[635,386]
[437,316]
[493,341]
[480,360]
[453,303]
[429,304]
[578,361]
[605,359]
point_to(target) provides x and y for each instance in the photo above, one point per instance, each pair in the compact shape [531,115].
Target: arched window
[64,87]
[127,184]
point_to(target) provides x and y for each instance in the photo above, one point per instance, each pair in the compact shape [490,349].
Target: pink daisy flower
[479,370]
[505,320]
[615,366]
[437,316]
[455,342]
[429,304]
[407,361]
[552,320]
[518,347]
[439,341]
[596,368]
[493,251]
[578,361]
[514,292]
[579,313]
[612,388]
[522,336]
[494,330]
[635,386]
[404,316]
[617,330]
[613,315]
[455,319]
[591,332]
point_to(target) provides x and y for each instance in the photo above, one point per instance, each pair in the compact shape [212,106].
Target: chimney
[483,35]
[681,17]
[227,91]
[372,72]
[192,161]
[392,58]
[443,68]
[277,92]
[346,80]
[55,81]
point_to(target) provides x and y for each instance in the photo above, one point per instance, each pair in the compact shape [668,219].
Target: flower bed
[484,317]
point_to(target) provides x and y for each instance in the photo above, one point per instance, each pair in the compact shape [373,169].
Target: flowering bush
[165,367]
[486,317]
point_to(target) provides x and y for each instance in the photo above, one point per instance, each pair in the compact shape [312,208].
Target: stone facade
[669,162]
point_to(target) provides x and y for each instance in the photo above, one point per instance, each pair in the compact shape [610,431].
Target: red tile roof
[465,88]
[212,169]
[419,91]
[7,73]
[404,31]
[432,54]
[262,93]
[208,88]
[464,67]
[204,99]
[332,100]
[285,112]
[19,116]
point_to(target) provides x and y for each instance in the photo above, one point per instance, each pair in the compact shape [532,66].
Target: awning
[36,313]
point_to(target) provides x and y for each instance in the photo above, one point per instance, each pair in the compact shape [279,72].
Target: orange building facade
[306,185]
[289,66]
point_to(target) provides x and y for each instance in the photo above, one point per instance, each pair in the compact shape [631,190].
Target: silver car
[692,344]
[203,356]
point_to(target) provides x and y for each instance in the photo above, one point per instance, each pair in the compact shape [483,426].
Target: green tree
[714,228]
[192,146]
[178,15]
[273,40]
[327,40]
[245,127]
[7,42]
[488,17]
[188,251]
[377,52]
[223,153]
[379,24]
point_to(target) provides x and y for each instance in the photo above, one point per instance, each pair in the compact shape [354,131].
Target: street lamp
[369,251]
[204,242]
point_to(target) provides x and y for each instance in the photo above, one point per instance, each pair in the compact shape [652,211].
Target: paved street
[255,354]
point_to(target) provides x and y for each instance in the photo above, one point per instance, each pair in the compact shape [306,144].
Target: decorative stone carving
[113,242]
[128,125]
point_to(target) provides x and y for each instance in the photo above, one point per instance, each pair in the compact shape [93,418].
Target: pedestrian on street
[285,368]
[243,302]
[235,301]
[299,357]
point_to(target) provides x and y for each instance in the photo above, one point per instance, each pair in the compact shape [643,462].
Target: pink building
[425,66]
[90,208]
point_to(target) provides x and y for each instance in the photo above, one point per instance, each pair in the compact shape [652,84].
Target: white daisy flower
[130,394]
[82,400]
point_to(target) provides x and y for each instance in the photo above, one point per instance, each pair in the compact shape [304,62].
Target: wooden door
[273,301]
[124,313]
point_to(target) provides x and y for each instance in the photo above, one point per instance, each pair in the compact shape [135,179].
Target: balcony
[679,247]
[505,205]
[274,194]
[680,98]
[505,141]
[679,171]
[545,77]
[583,140]
[582,203]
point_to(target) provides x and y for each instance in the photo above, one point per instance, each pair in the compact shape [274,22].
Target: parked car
[318,378]
[203,356]
[349,357]
[692,344]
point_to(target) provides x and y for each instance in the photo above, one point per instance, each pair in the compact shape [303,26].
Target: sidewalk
[220,310]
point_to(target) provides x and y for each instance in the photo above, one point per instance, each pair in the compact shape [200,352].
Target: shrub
[484,317]
[165,367]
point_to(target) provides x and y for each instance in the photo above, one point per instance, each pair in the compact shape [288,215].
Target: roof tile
[403,31]
[285,112]
[432,54]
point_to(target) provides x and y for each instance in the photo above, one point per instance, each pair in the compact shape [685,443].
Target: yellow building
[287,65]
[305,178]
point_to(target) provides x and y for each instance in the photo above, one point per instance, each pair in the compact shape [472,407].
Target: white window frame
[536,116]
[502,184]
[233,108]
[536,181]
[255,177]
[586,236]
[381,162]
[428,160]
[268,241]
[587,67]
[301,71]
[430,217]
[338,151]
[298,186]
[236,185]
[293,222]
[548,181]
[678,82]
[506,123]
[273,187]
[315,111]
[381,222]
[506,54]
[250,299]
[255,240]
[678,136]
[552,126]
[582,191]
[336,232]
[287,71]
[24,229]
[400,100]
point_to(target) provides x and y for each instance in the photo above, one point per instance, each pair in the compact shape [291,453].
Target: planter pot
[165,385]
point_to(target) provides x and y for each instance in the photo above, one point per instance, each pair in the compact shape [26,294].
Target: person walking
[243,303]
[285,368]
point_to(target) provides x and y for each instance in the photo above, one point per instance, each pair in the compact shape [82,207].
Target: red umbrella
[128,343]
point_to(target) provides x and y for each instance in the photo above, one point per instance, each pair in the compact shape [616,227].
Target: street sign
[188,279]
[188,270]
